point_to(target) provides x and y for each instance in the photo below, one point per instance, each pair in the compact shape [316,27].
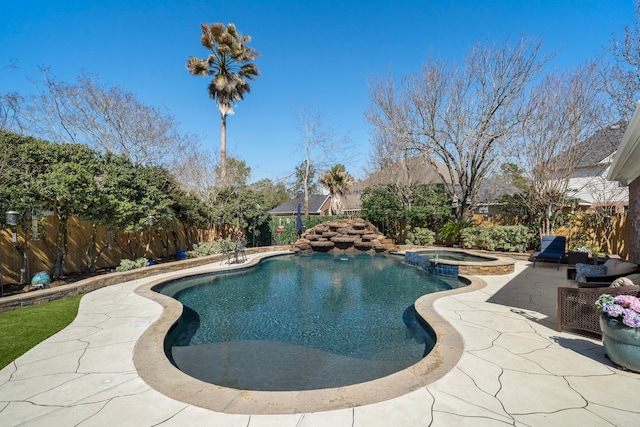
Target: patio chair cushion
[630,280]
[583,270]
[617,267]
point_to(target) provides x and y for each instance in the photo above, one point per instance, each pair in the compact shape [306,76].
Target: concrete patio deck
[516,369]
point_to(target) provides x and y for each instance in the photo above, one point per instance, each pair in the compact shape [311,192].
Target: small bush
[508,238]
[205,249]
[453,229]
[127,264]
[288,233]
[420,236]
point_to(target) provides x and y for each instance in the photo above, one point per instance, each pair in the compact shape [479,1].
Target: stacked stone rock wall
[345,235]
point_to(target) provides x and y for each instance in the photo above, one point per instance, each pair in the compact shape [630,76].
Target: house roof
[420,170]
[626,163]
[491,188]
[601,145]
[316,201]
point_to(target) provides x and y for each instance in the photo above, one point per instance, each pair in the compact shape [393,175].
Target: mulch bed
[17,288]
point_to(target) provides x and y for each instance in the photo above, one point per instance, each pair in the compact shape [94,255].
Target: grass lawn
[22,329]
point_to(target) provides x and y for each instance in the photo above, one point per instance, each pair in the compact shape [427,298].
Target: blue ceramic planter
[41,279]
[621,343]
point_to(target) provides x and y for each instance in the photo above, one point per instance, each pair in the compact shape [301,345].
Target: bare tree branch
[622,78]
[561,113]
[109,119]
[461,117]
[319,145]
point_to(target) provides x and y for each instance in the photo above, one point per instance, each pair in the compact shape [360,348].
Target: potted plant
[620,324]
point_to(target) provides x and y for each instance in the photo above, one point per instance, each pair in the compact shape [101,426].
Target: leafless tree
[7,115]
[319,146]
[391,155]
[562,111]
[622,78]
[394,162]
[608,201]
[195,170]
[109,119]
[459,116]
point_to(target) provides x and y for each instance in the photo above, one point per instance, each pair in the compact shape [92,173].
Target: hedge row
[507,238]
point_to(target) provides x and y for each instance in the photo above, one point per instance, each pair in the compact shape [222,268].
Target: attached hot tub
[452,262]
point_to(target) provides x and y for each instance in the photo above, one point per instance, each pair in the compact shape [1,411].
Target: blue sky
[321,54]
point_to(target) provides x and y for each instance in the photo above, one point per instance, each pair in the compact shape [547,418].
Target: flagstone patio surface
[515,369]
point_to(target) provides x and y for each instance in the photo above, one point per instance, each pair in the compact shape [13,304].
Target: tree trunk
[62,245]
[336,202]
[24,255]
[223,150]
[92,250]
[306,187]
[24,252]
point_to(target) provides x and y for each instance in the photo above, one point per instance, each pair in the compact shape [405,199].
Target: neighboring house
[625,169]
[319,204]
[415,169]
[352,205]
[588,182]
[418,169]
[490,189]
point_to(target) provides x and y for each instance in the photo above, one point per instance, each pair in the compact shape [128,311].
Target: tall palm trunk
[336,202]
[223,150]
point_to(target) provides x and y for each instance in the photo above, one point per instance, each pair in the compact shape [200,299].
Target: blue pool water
[302,322]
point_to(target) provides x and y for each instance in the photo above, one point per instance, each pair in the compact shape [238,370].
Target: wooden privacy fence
[93,247]
[606,234]
[90,247]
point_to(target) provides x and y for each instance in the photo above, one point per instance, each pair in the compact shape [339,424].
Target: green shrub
[204,249]
[288,233]
[420,236]
[127,264]
[453,229]
[508,238]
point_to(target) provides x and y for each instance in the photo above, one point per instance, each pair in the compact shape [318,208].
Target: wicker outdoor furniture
[577,307]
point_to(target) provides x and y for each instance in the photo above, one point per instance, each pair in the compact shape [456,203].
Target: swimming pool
[302,322]
[156,370]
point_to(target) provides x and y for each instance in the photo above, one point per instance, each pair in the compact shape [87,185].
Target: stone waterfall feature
[344,235]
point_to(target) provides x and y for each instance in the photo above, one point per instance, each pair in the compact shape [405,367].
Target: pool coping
[157,371]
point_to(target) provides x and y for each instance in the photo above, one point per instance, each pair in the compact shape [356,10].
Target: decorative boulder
[324,246]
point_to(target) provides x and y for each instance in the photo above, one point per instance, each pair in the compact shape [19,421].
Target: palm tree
[338,181]
[230,64]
